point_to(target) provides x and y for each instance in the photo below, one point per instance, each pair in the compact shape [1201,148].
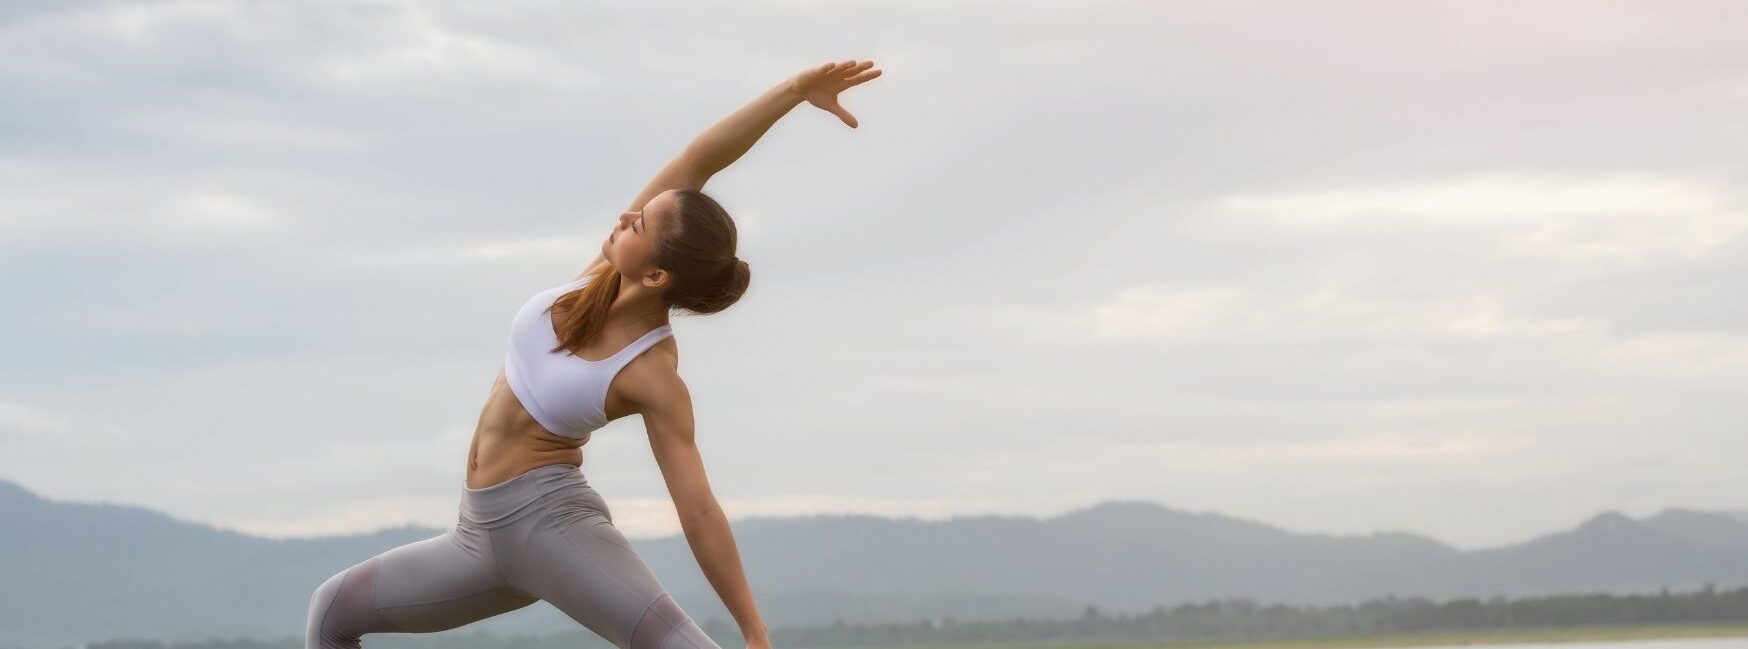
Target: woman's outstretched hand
[821,84]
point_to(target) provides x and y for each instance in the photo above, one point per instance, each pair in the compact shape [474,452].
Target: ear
[656,279]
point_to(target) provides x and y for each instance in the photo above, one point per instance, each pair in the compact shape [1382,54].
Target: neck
[637,307]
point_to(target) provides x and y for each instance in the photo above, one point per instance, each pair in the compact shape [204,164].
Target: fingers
[863,77]
[846,67]
[845,115]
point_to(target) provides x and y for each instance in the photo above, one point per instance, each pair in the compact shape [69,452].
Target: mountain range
[73,572]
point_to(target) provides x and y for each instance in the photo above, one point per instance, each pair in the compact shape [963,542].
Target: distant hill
[73,572]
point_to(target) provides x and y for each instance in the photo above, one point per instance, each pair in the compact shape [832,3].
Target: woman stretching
[530,526]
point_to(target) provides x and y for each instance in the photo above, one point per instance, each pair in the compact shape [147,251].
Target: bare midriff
[508,441]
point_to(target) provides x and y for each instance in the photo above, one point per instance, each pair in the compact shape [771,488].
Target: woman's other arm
[667,415]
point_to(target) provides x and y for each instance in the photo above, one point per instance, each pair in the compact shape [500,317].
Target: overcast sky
[1466,269]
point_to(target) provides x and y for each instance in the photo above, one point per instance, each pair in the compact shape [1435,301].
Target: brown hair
[698,251]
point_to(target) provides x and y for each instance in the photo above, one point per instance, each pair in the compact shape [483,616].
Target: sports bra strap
[620,358]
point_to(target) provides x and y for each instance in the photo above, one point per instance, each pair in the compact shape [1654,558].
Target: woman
[530,527]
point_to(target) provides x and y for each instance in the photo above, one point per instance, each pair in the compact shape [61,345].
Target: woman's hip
[540,488]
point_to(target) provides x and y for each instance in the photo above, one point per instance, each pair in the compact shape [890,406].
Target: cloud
[1179,316]
[19,420]
[1236,257]
[1626,217]
[551,249]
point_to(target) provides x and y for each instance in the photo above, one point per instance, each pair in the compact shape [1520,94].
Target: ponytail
[586,308]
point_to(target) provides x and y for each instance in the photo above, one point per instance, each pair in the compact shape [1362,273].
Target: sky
[1464,269]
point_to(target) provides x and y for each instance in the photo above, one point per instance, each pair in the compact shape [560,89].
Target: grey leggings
[542,535]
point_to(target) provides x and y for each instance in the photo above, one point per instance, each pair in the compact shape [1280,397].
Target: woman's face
[632,243]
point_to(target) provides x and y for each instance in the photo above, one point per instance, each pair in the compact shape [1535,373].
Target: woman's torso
[507,441]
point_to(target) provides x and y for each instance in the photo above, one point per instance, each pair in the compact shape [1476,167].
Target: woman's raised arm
[730,138]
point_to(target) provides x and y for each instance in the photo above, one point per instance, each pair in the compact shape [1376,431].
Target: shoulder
[652,379]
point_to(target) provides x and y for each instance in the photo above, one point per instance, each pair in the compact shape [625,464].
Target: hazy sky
[1472,270]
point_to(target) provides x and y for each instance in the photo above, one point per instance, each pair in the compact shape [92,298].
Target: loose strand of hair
[586,308]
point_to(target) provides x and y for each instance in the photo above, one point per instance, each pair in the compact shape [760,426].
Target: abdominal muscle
[508,441]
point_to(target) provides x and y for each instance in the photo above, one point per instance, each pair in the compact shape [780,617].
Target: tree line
[1216,619]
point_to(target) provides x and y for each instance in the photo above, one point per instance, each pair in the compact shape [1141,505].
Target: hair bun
[708,277]
[736,275]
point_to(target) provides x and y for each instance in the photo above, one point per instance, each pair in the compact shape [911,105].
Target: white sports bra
[565,393]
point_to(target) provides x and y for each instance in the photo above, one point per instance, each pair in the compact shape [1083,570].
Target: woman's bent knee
[342,610]
[320,601]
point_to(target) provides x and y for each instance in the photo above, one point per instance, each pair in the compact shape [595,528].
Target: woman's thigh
[575,558]
[436,584]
